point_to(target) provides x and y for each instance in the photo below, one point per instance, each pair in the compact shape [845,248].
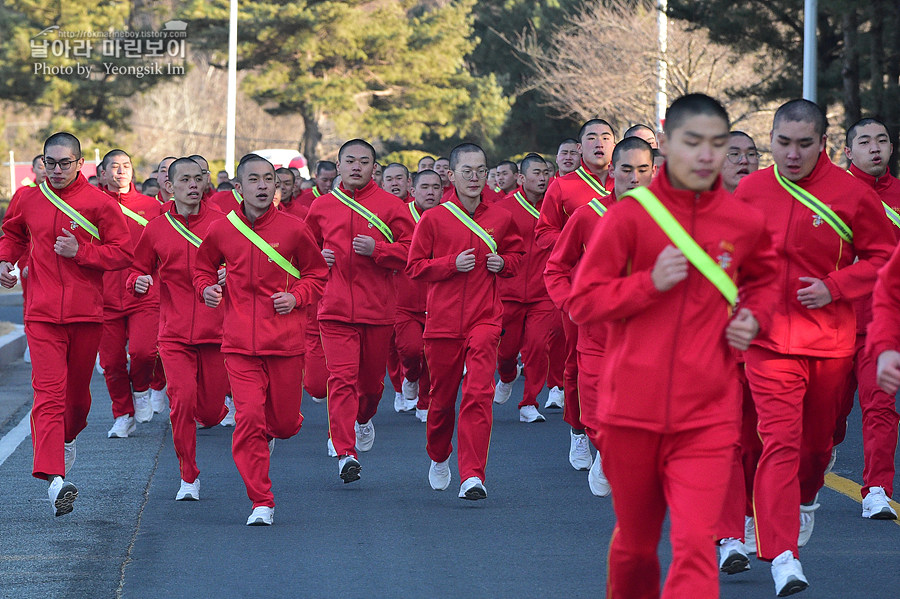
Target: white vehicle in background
[285,158]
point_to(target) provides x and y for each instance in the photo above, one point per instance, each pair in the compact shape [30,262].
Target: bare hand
[670,269]
[495,263]
[364,245]
[212,295]
[329,257]
[66,245]
[465,261]
[814,296]
[284,302]
[7,279]
[742,330]
[142,284]
[888,376]
[221,276]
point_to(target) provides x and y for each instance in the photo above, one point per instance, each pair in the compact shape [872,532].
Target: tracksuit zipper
[684,297]
[787,278]
[187,225]
[252,278]
[350,265]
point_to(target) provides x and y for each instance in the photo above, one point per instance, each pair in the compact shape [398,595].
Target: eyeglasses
[734,156]
[62,164]
[469,174]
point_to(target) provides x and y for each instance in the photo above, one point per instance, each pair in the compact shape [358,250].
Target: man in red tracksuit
[564,194]
[288,203]
[190,335]
[162,175]
[459,249]
[529,317]
[632,166]
[567,157]
[869,148]
[798,368]
[326,173]
[668,418]
[128,321]
[364,233]
[275,270]
[63,315]
[411,302]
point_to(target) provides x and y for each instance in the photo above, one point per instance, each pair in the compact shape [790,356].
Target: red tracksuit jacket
[808,247]
[116,300]
[170,258]
[223,201]
[563,196]
[295,208]
[560,270]
[458,301]
[669,367]
[306,197]
[884,330]
[251,325]
[411,295]
[63,290]
[527,285]
[360,289]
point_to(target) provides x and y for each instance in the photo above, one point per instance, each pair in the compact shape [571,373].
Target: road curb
[12,345]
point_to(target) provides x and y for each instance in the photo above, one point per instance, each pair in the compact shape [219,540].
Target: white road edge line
[11,440]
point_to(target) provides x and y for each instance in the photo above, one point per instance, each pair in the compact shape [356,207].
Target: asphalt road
[540,533]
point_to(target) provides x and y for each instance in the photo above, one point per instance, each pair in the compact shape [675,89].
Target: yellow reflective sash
[817,206]
[134,216]
[159,198]
[76,216]
[527,205]
[597,206]
[365,213]
[471,225]
[237,196]
[183,231]
[316,192]
[592,183]
[262,244]
[415,213]
[891,214]
[684,242]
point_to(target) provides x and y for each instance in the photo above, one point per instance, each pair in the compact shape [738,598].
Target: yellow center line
[849,488]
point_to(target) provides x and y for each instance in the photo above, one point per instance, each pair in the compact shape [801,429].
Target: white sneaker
[597,480]
[158,400]
[62,495]
[410,389]
[318,399]
[502,392]
[261,516]
[143,411]
[349,469]
[97,366]
[439,475]
[472,489]
[874,505]
[556,399]
[271,447]
[27,356]
[422,415]
[749,534]
[530,414]
[365,435]
[807,522]
[831,462]
[189,491]
[579,451]
[122,427]
[788,575]
[733,558]
[229,417]
[332,453]
[401,404]
[69,449]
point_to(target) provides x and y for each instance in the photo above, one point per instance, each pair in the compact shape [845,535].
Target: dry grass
[6,328]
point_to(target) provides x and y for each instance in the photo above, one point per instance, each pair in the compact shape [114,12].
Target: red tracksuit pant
[648,472]
[267,392]
[572,407]
[446,358]
[315,378]
[590,369]
[408,332]
[196,393]
[526,328]
[357,357]
[395,364]
[797,399]
[879,421]
[62,362]
[556,370]
[158,381]
[138,330]
[739,501]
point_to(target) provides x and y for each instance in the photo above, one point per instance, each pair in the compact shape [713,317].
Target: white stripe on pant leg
[11,440]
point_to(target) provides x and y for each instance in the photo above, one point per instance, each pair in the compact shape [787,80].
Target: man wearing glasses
[459,249]
[741,160]
[76,232]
